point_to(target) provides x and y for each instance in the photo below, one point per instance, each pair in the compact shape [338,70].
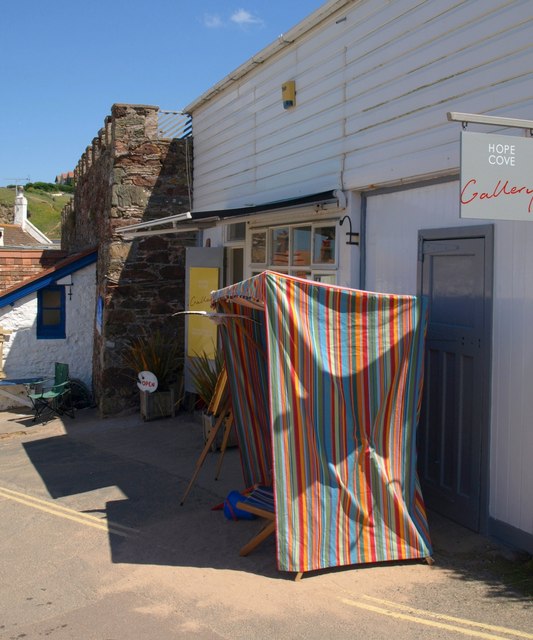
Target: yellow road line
[442,616]
[65,512]
[68,510]
[429,623]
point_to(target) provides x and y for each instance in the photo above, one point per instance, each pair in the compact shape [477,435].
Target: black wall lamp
[353,236]
[66,281]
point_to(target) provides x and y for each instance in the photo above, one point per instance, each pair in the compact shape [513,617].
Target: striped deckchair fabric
[262,498]
[326,387]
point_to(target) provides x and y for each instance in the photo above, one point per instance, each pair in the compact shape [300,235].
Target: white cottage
[329,155]
[48,318]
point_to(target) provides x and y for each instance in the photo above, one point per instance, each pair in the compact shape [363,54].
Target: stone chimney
[21,208]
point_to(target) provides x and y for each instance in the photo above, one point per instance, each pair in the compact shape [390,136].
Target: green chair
[52,397]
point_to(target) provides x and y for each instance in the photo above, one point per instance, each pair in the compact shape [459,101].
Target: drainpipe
[362,243]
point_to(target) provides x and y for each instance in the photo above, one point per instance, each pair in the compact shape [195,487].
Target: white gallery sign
[496,176]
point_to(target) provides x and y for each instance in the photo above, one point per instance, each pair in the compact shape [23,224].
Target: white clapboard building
[329,155]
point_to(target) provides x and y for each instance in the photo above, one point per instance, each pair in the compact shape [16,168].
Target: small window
[259,252]
[280,246]
[236,232]
[301,246]
[51,313]
[324,245]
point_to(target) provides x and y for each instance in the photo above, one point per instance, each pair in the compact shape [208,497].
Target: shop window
[51,313]
[305,251]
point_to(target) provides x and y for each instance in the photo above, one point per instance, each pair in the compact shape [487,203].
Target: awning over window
[325,197]
[192,221]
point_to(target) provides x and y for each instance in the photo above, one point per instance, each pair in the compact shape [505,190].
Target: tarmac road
[94,545]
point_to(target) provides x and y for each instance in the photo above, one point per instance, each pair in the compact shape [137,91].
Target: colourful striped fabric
[326,389]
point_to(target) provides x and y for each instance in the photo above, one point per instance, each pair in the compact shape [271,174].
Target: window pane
[51,313]
[51,298]
[301,246]
[259,247]
[301,274]
[324,245]
[236,231]
[51,317]
[280,246]
[327,278]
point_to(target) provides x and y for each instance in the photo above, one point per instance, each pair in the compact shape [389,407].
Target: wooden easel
[220,407]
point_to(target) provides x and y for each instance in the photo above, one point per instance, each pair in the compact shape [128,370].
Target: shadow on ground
[474,558]
[149,465]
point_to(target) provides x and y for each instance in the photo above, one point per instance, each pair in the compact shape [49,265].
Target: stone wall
[129,175]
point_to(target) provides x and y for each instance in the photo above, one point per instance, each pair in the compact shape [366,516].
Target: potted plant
[159,353]
[204,372]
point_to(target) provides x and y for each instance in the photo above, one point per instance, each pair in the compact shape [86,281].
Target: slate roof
[14,236]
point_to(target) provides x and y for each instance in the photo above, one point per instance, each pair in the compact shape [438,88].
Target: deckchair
[52,397]
[260,502]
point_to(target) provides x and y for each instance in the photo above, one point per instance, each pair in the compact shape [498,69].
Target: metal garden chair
[52,397]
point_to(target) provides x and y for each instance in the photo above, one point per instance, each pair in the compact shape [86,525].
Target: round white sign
[147,381]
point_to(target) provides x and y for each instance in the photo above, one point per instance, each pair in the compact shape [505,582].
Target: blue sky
[64,64]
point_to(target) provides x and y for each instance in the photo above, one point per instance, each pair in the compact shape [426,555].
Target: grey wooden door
[455,275]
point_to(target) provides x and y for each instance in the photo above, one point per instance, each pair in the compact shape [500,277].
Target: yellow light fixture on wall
[288,94]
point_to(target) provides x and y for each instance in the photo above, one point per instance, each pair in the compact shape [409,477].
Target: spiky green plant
[204,373]
[156,352]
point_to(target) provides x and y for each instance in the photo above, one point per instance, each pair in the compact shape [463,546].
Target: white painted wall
[374,83]
[393,222]
[372,95]
[25,356]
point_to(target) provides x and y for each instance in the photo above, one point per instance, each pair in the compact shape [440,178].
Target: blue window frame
[51,312]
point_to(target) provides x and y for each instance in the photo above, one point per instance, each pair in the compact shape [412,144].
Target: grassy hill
[44,209]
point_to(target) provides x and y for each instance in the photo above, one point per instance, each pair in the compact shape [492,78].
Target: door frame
[485,232]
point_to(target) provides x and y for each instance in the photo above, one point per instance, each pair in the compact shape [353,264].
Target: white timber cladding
[373,85]
[374,82]
[26,357]
[391,267]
